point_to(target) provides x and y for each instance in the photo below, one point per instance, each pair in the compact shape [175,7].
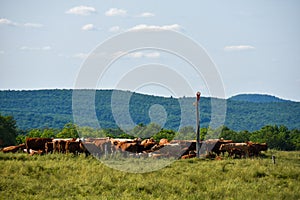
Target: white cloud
[81,55]
[116,12]
[2,52]
[5,21]
[27,48]
[33,25]
[118,54]
[46,48]
[114,29]
[99,55]
[135,55]
[140,54]
[239,48]
[81,10]
[144,27]
[88,27]
[146,14]
[152,55]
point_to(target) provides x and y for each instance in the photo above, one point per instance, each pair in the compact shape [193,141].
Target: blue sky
[254,44]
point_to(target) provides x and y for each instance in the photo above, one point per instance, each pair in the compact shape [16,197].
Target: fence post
[273,159]
[198,124]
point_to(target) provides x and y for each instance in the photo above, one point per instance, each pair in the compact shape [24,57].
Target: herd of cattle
[211,148]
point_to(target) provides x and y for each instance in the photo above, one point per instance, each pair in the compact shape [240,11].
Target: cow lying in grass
[13,149]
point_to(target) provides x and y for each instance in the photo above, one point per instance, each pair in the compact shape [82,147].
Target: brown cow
[236,152]
[240,149]
[55,146]
[77,147]
[126,147]
[175,148]
[262,147]
[216,148]
[144,142]
[163,141]
[48,147]
[191,154]
[73,147]
[62,146]
[188,146]
[213,146]
[146,145]
[59,144]
[89,148]
[256,148]
[13,149]
[105,145]
[207,146]
[36,144]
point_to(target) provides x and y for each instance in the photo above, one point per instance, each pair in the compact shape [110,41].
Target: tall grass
[70,177]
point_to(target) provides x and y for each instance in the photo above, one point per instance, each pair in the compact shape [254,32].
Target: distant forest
[42,109]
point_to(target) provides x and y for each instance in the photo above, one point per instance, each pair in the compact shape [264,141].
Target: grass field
[70,177]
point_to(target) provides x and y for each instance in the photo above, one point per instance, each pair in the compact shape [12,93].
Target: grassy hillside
[69,177]
[53,108]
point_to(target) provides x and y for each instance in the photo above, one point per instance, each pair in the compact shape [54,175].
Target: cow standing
[236,149]
[49,147]
[37,144]
[73,147]
[256,148]
[105,146]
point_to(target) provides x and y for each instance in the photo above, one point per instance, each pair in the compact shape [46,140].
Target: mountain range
[55,108]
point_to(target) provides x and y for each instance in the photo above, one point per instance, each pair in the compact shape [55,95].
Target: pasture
[62,176]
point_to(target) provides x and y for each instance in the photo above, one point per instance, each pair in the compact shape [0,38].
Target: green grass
[70,177]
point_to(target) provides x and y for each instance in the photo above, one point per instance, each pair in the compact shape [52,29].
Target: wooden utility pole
[198,124]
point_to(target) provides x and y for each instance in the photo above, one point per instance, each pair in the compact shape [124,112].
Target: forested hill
[53,108]
[257,98]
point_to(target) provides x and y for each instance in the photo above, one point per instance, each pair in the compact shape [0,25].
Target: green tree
[125,135]
[69,131]
[20,139]
[8,131]
[242,136]
[276,137]
[295,139]
[143,131]
[87,132]
[186,133]
[203,133]
[228,134]
[167,134]
[113,132]
[48,133]
[34,133]
[220,132]
[151,129]
[138,130]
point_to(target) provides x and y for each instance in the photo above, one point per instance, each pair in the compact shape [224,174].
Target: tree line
[277,137]
[53,108]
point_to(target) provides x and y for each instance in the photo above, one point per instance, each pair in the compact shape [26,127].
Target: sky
[255,45]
